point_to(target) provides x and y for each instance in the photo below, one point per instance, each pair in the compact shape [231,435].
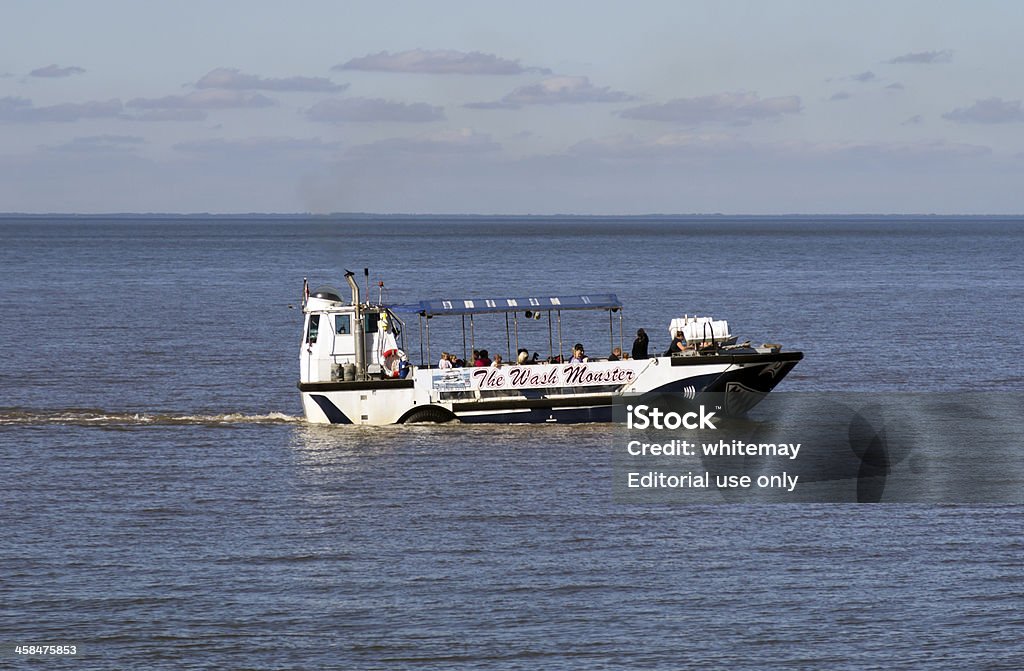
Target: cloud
[257,146]
[99,144]
[942,56]
[915,120]
[438,61]
[733,108]
[372,109]
[903,151]
[841,95]
[670,146]
[208,99]
[231,78]
[719,147]
[21,110]
[555,91]
[170,115]
[461,141]
[990,110]
[895,86]
[867,76]
[57,71]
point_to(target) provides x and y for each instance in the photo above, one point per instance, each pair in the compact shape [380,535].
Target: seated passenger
[578,355]
[445,361]
[678,345]
[482,360]
[497,361]
[523,357]
[616,354]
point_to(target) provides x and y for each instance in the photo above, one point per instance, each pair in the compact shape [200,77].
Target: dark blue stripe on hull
[543,415]
[335,415]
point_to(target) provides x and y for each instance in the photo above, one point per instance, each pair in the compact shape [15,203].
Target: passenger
[524,357]
[445,361]
[640,345]
[458,363]
[482,360]
[616,354]
[497,361]
[578,355]
[678,345]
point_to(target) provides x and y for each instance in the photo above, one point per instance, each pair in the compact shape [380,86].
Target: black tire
[430,413]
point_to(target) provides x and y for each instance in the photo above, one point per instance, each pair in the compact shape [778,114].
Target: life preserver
[391,360]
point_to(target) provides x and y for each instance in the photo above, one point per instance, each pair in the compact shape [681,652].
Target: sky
[557,107]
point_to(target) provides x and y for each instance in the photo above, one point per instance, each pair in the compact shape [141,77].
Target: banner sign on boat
[524,377]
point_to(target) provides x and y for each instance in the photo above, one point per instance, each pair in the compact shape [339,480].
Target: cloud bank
[233,79]
[438,61]
[372,109]
[452,142]
[731,108]
[57,71]
[207,99]
[988,111]
[100,144]
[259,146]
[21,110]
[924,57]
[555,91]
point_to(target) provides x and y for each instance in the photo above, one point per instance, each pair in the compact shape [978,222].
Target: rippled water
[162,507]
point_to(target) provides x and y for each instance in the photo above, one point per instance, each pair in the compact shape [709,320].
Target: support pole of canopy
[515,324]
[620,332]
[560,350]
[472,337]
[611,332]
[421,339]
[551,342]
[429,359]
[508,341]
[463,337]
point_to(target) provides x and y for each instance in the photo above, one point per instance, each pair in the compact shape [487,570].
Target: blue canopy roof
[472,306]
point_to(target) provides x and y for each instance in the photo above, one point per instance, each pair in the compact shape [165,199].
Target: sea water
[164,506]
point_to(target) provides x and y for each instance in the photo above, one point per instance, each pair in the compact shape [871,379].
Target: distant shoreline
[362,216]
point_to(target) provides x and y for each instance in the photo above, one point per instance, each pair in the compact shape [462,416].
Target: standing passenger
[640,345]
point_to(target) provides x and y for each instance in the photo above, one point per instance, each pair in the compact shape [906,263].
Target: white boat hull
[563,392]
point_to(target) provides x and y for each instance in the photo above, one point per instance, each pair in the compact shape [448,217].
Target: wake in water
[97,417]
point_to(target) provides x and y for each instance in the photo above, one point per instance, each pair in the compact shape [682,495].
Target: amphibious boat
[354,368]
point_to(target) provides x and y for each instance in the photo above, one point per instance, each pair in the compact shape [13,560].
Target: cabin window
[343,324]
[314,327]
[371,321]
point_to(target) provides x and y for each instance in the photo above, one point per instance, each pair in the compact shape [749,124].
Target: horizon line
[562,215]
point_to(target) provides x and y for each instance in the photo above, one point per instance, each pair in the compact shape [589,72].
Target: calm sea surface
[162,505]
